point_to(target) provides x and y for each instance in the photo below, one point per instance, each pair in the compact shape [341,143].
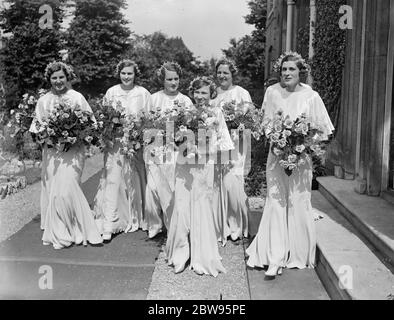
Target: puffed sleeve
[318,115]
[224,138]
[246,100]
[146,100]
[267,106]
[245,96]
[84,104]
[188,102]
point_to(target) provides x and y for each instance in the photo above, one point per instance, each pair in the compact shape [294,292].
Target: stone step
[372,217]
[347,266]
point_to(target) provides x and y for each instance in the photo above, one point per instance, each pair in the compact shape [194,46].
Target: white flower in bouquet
[291,166]
[286,133]
[275,137]
[31,100]
[300,148]
[277,151]
[282,143]
[71,140]
[256,135]
[277,125]
[284,164]
[292,158]
[288,123]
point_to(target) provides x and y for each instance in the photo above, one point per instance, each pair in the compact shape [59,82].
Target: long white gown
[161,177]
[66,217]
[287,235]
[232,192]
[192,231]
[120,198]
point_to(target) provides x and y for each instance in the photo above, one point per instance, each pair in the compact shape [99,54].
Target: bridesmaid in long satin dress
[119,202]
[287,236]
[192,232]
[234,198]
[66,217]
[161,176]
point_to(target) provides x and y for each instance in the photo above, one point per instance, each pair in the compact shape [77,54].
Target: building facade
[365,130]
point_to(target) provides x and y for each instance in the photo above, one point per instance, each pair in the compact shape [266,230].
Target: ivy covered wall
[329,58]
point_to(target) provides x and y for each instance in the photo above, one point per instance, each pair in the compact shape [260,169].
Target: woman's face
[127,76]
[59,81]
[202,96]
[171,82]
[290,74]
[224,76]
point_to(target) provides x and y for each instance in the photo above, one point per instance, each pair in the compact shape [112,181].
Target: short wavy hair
[169,66]
[127,63]
[230,63]
[55,66]
[203,81]
[300,62]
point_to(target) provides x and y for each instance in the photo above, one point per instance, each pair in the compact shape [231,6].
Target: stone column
[289,28]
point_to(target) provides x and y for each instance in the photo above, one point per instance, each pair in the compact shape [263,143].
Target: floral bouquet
[242,116]
[67,125]
[293,141]
[110,117]
[22,117]
[191,120]
[140,130]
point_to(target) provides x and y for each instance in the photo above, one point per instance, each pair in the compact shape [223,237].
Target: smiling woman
[66,217]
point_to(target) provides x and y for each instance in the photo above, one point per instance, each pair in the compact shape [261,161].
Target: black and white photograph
[195,151]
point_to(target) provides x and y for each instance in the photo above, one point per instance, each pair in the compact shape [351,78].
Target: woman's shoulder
[157,94]
[142,89]
[114,88]
[275,87]
[241,89]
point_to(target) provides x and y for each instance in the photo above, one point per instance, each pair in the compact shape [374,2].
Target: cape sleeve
[146,100]
[319,117]
[268,109]
[224,139]
[39,114]
[246,100]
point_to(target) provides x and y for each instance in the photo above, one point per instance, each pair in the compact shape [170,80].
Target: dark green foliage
[28,48]
[329,59]
[150,51]
[97,38]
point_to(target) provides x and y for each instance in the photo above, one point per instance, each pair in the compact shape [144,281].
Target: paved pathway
[131,266]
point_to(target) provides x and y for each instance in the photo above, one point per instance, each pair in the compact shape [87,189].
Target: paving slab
[120,269]
[22,279]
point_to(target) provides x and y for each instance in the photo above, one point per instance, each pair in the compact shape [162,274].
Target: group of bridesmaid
[200,205]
